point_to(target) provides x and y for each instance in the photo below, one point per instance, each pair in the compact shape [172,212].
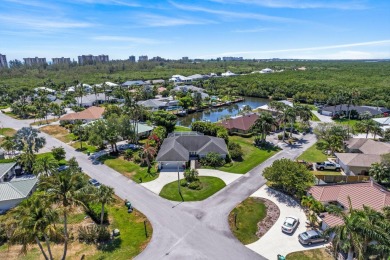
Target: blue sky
[309,29]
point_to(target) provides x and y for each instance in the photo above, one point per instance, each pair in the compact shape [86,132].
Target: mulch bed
[273,214]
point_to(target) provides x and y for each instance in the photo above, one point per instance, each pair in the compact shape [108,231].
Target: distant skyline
[262,29]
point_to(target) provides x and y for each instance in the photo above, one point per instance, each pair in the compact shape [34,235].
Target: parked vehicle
[328,166]
[63,168]
[94,182]
[312,236]
[123,147]
[290,224]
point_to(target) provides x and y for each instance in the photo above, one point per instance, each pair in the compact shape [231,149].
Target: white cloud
[137,40]
[303,50]
[299,4]
[38,23]
[151,20]
[110,2]
[228,14]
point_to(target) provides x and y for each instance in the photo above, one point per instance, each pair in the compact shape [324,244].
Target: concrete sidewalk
[276,242]
[168,176]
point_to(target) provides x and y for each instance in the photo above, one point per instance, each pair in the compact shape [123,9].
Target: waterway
[216,114]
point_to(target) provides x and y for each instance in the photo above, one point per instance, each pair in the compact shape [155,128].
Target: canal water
[218,113]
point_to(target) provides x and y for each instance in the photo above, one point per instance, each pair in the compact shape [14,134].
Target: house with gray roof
[153,104]
[15,191]
[131,83]
[7,171]
[180,148]
[360,154]
[343,108]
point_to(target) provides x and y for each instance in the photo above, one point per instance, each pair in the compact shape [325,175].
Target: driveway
[276,242]
[322,118]
[167,176]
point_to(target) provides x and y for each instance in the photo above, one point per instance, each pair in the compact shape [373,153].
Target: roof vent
[382,190]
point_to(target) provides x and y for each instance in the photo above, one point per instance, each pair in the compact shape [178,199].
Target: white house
[45,89]
[228,74]
[180,78]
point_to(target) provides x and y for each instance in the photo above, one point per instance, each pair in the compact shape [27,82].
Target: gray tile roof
[5,167]
[360,109]
[17,188]
[152,103]
[178,148]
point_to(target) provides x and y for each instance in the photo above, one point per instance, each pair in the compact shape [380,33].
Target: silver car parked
[312,236]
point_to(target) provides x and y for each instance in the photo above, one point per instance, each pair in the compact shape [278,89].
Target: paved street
[192,230]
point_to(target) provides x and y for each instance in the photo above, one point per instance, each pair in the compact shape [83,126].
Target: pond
[216,114]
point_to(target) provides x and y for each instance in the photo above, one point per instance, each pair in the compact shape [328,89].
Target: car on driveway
[94,182]
[63,168]
[312,236]
[290,224]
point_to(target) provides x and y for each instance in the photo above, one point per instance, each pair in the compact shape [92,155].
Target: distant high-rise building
[157,58]
[185,59]
[232,58]
[34,61]
[90,59]
[61,60]
[3,61]
[132,58]
[143,58]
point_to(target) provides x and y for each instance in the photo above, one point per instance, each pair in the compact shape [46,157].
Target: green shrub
[3,234]
[195,185]
[93,234]
[137,158]
[94,210]
[191,175]
[213,159]
[235,151]
[128,155]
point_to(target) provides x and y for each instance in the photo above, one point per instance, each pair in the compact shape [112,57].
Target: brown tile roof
[368,146]
[331,220]
[241,122]
[90,113]
[367,193]
[358,159]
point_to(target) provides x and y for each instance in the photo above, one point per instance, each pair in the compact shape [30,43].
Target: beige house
[361,154]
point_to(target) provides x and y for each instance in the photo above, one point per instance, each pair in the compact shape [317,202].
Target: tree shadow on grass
[111,246]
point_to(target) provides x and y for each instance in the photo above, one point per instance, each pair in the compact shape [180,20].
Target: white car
[290,224]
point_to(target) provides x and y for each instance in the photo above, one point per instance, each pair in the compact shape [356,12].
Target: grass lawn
[326,173]
[253,156]
[132,239]
[130,243]
[130,169]
[179,128]
[345,121]
[86,147]
[7,131]
[314,118]
[313,155]
[249,212]
[59,132]
[210,186]
[314,254]
[44,122]
[50,154]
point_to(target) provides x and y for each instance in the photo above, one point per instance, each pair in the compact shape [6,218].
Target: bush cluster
[213,160]
[93,234]
[94,210]
[235,151]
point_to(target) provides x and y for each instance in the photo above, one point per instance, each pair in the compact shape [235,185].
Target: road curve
[189,230]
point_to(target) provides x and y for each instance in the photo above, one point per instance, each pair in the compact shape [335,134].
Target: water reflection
[216,114]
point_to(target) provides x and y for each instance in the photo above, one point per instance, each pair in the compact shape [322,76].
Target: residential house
[16,190]
[87,115]
[198,77]
[343,108]
[92,99]
[45,89]
[7,171]
[361,194]
[186,88]
[143,130]
[228,74]
[384,122]
[266,70]
[360,154]
[240,124]
[182,147]
[266,108]
[180,79]
[153,104]
[132,83]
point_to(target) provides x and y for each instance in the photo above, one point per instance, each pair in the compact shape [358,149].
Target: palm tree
[46,165]
[27,159]
[66,189]
[263,125]
[95,90]
[366,126]
[33,219]
[104,195]
[376,130]
[379,172]
[79,91]
[8,144]
[291,115]
[147,154]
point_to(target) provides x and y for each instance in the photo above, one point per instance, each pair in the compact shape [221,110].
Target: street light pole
[178,182]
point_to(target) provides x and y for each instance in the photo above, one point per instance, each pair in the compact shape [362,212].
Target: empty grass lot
[249,212]
[130,169]
[179,128]
[314,254]
[313,155]
[253,156]
[7,131]
[58,132]
[210,186]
